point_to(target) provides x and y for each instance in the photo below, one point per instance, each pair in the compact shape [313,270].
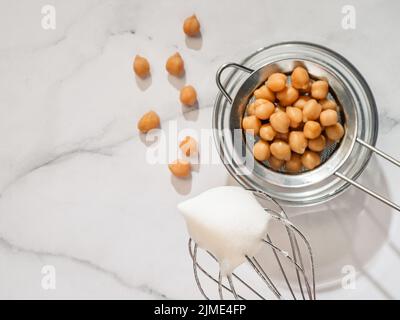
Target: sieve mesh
[329,149]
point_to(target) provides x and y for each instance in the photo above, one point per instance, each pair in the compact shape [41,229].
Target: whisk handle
[221,70]
[366,190]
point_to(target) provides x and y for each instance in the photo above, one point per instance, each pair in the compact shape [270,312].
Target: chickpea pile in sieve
[294,121]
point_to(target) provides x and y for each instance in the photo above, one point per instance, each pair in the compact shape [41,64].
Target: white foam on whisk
[228,222]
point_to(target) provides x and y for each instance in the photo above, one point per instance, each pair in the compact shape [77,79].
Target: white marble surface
[76,190]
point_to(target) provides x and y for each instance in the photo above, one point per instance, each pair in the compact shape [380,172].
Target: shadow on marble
[144,83]
[348,230]
[194,43]
[191,113]
[183,186]
[177,82]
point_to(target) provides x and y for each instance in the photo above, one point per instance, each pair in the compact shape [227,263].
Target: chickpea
[310,159]
[280,150]
[297,142]
[251,124]
[319,89]
[175,65]
[312,129]
[301,101]
[287,96]
[280,109]
[267,132]
[295,125]
[328,104]
[264,110]
[189,146]
[329,142]
[307,89]
[188,96]
[261,150]
[300,78]
[328,118]
[180,168]
[335,132]
[141,66]
[317,144]
[251,109]
[191,26]
[275,163]
[282,136]
[294,164]
[311,110]
[148,121]
[295,115]
[280,122]
[276,82]
[264,93]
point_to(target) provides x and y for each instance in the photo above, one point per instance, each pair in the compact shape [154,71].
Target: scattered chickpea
[287,96]
[300,78]
[264,109]
[175,65]
[188,96]
[264,93]
[318,144]
[191,26]
[298,142]
[251,124]
[301,101]
[141,66]
[328,104]
[294,164]
[189,146]
[276,82]
[280,150]
[280,122]
[328,117]
[148,121]
[261,150]
[319,89]
[335,132]
[311,110]
[180,168]
[275,163]
[267,132]
[312,129]
[310,159]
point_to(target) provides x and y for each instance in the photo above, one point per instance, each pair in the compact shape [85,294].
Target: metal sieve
[342,164]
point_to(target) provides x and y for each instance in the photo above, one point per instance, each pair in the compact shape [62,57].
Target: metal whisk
[305,281]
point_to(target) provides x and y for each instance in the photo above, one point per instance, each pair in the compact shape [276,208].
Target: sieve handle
[361,187]
[219,73]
